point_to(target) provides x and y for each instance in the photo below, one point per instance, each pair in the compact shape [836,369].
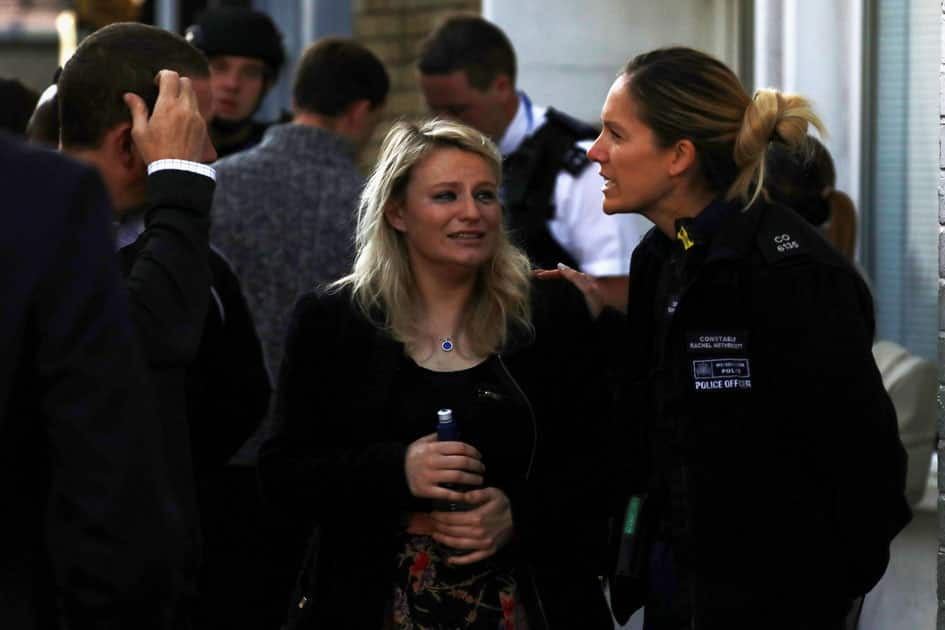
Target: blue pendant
[446,345]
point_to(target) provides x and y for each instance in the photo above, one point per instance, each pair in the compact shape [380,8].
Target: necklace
[446,344]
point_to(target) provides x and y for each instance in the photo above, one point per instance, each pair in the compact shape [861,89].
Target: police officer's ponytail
[681,93]
[771,116]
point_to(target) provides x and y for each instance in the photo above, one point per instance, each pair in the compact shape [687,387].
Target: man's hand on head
[175,130]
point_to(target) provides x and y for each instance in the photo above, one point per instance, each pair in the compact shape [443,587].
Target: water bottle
[447,430]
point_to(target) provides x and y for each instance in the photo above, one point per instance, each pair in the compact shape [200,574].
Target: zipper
[684,480]
[684,470]
[691,579]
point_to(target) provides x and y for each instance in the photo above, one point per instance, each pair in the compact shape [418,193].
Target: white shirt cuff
[182,165]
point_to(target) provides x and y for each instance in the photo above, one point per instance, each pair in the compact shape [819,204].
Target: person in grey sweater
[284,211]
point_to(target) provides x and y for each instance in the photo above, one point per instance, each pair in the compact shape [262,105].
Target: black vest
[529,182]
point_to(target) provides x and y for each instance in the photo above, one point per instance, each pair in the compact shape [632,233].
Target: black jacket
[758,424]
[335,462]
[168,282]
[228,385]
[232,138]
[91,535]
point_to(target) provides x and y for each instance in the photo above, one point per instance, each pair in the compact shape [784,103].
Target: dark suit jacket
[168,280]
[228,385]
[90,532]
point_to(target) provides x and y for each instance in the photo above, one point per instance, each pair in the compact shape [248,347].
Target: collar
[725,227]
[703,228]
[129,228]
[522,126]
[295,139]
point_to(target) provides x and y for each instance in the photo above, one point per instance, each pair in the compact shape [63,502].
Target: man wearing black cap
[245,52]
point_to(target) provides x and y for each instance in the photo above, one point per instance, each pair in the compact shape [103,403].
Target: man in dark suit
[90,528]
[147,138]
[206,363]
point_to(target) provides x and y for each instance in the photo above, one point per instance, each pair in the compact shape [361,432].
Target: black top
[424,392]
[477,398]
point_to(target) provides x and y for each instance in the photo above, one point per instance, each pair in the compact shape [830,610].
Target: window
[901,172]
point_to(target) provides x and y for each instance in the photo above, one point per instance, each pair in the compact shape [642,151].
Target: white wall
[815,48]
[570,52]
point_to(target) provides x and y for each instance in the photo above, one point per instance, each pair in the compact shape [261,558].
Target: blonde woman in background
[439,312]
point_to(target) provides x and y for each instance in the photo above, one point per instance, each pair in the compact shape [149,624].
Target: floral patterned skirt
[429,594]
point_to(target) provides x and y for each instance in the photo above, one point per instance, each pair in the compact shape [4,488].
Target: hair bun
[770,115]
[759,126]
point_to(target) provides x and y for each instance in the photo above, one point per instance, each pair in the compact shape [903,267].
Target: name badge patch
[721,374]
[717,342]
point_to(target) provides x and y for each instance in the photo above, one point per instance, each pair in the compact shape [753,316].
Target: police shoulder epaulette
[571,131]
[580,130]
[575,160]
[782,236]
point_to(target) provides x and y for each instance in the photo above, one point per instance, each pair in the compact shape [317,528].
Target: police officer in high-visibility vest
[758,449]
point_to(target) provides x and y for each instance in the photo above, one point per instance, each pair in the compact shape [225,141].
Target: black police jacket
[758,424]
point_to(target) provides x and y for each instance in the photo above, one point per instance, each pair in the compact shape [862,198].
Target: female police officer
[758,428]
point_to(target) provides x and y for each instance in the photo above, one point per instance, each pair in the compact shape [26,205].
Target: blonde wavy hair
[382,281]
[683,93]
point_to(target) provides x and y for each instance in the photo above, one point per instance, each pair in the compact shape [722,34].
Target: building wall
[29,44]
[570,52]
[32,62]
[941,328]
[941,334]
[300,23]
[792,39]
[393,29]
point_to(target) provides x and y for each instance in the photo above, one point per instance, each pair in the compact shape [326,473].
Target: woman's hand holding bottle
[481,531]
[430,463]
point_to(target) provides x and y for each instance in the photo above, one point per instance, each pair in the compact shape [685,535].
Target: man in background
[285,211]
[207,364]
[148,140]
[245,52]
